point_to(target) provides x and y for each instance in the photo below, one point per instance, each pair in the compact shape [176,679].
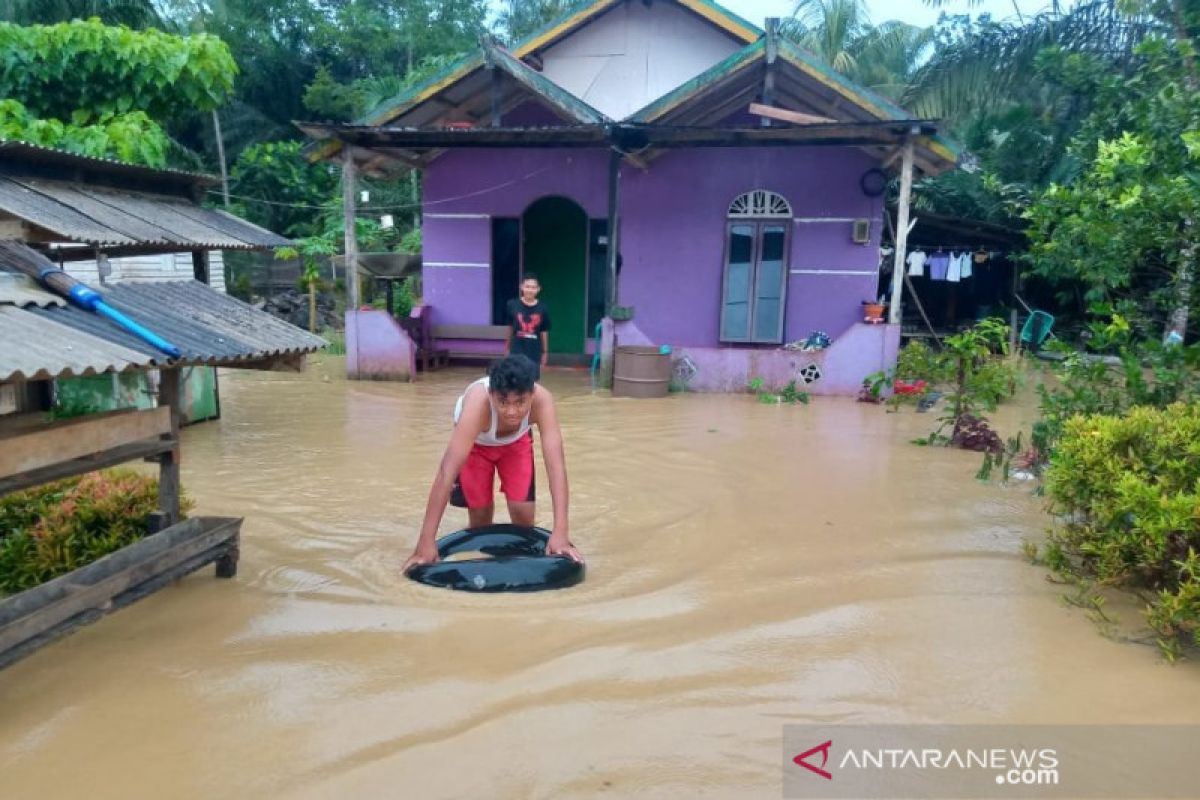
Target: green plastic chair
[1037,329]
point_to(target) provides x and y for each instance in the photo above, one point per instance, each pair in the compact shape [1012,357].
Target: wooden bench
[419,328]
[445,336]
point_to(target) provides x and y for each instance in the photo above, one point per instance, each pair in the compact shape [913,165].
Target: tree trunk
[312,306]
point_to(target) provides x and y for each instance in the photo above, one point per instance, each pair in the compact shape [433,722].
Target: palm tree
[840,32]
[991,65]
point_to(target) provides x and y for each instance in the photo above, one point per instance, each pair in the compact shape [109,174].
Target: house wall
[635,54]
[673,238]
[463,190]
[673,231]
[164,267]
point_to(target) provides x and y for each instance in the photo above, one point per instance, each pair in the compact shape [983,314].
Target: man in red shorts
[493,434]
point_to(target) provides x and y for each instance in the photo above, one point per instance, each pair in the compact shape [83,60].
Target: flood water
[749,566]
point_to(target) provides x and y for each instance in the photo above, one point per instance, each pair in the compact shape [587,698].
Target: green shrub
[918,362]
[53,529]
[1128,490]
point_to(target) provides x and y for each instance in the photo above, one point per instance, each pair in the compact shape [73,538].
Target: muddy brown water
[749,566]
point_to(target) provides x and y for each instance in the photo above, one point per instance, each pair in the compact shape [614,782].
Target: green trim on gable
[554,94]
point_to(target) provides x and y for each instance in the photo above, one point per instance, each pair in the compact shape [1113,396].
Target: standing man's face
[529,290]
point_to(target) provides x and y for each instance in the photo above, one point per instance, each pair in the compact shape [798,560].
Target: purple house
[744,178]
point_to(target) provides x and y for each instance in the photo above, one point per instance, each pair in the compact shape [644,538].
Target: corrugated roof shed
[111,217]
[41,337]
[36,348]
[207,326]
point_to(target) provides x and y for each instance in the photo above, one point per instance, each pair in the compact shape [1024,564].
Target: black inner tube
[517,563]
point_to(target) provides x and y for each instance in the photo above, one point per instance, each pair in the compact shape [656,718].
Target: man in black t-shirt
[529,325]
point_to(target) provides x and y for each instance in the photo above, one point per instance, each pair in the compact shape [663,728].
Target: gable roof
[570,21]
[802,82]
[575,18]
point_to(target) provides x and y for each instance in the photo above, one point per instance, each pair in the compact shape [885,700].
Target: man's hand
[423,554]
[559,545]
[545,359]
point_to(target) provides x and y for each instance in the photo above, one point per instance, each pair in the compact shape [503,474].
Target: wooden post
[348,183]
[768,93]
[201,269]
[614,227]
[221,155]
[496,87]
[169,391]
[906,176]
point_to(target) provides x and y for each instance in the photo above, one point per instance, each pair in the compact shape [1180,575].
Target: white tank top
[489,438]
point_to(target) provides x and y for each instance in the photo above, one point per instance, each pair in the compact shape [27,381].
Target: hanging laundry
[954,267]
[916,263]
[965,269]
[939,265]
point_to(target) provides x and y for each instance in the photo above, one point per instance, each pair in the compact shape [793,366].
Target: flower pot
[873,312]
[622,313]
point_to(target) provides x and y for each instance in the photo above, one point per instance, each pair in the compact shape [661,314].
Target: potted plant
[622,313]
[873,311]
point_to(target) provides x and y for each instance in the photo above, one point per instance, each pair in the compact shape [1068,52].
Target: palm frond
[985,68]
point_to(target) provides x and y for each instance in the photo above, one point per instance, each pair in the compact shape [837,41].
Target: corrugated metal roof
[207,326]
[22,290]
[33,347]
[113,217]
[28,151]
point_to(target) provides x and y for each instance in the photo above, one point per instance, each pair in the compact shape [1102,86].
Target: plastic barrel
[640,371]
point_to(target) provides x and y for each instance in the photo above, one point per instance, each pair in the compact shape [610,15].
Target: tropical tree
[134,13]
[841,33]
[519,18]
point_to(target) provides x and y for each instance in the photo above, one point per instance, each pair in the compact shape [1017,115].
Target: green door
[555,233]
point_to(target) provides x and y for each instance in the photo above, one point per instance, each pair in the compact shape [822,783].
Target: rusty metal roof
[110,217]
[33,347]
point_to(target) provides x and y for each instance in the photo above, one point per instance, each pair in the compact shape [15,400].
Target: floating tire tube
[517,563]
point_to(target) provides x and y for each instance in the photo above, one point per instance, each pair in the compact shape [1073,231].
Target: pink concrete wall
[859,351]
[377,348]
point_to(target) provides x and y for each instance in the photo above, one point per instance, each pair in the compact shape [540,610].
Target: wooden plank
[29,646]
[76,438]
[81,466]
[14,230]
[470,331]
[40,615]
[782,114]
[79,587]
[169,391]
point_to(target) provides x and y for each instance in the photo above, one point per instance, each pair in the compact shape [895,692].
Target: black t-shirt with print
[528,323]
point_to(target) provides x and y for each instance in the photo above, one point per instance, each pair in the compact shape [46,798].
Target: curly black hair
[513,374]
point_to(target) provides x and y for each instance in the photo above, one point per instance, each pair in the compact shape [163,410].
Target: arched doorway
[555,248]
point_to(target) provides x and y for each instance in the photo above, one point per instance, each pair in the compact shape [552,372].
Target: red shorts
[477,479]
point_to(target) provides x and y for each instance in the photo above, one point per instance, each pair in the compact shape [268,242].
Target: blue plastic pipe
[86,298]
